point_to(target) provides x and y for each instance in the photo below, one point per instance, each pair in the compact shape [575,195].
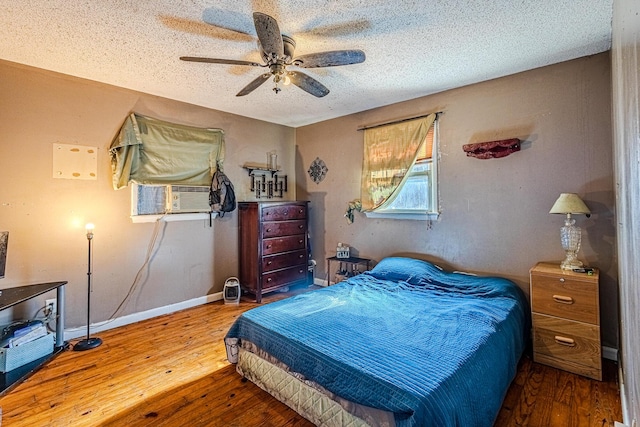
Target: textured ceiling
[413,48]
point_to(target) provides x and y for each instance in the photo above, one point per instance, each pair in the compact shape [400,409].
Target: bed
[405,344]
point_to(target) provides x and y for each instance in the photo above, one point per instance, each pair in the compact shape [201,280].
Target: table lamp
[570,234]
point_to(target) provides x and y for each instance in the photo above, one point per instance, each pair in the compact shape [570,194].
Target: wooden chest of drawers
[273,245]
[566,319]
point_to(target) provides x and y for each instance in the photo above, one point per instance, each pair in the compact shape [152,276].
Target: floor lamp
[88,343]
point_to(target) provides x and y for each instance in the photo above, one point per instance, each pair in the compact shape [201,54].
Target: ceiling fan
[277,51]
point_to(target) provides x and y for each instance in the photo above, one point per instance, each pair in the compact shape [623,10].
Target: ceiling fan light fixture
[281,78]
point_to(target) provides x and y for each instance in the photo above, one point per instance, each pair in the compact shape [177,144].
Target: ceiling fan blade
[254,84]
[308,84]
[204,29]
[323,27]
[269,35]
[220,61]
[330,59]
[228,20]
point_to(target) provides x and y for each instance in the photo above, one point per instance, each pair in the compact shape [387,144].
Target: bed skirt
[306,398]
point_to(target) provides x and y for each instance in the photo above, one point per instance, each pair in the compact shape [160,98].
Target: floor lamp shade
[88,343]
[570,235]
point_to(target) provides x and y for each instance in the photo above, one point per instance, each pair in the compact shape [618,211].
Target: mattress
[430,347]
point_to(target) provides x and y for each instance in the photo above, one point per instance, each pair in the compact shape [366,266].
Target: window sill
[411,216]
[139,219]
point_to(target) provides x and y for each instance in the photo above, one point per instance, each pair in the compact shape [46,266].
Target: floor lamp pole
[88,343]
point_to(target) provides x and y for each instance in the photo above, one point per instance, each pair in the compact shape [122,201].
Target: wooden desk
[12,296]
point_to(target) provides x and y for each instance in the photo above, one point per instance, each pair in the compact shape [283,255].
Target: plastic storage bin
[11,358]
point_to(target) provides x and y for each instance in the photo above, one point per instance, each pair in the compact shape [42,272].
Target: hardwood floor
[172,371]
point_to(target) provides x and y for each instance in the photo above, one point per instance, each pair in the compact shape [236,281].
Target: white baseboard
[623,397]
[319,282]
[72,333]
[610,353]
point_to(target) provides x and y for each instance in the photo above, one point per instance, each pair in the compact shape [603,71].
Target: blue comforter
[434,348]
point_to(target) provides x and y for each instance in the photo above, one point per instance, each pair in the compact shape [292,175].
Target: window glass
[415,193]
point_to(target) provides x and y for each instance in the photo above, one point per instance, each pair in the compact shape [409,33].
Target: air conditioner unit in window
[168,199]
[188,198]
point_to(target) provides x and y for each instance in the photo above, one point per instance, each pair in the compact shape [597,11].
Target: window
[169,167]
[416,192]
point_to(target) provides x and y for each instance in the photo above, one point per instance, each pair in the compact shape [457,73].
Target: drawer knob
[300,271]
[268,246]
[300,256]
[300,241]
[268,230]
[564,341]
[301,227]
[269,280]
[563,299]
[269,262]
[562,280]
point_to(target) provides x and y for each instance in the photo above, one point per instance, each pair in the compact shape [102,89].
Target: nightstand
[348,265]
[565,312]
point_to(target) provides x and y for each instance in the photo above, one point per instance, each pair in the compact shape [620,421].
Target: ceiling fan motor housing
[289,46]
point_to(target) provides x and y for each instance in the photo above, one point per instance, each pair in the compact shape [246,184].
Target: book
[33,332]
[23,330]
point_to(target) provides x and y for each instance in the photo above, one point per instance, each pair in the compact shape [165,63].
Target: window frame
[419,214]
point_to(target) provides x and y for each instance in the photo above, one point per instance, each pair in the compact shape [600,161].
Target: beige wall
[495,216]
[494,212]
[46,216]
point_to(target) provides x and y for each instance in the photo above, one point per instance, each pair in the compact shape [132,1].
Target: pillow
[410,270]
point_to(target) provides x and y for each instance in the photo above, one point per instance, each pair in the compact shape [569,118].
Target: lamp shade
[569,203]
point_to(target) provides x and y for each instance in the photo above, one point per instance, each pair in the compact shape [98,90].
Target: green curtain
[389,153]
[151,151]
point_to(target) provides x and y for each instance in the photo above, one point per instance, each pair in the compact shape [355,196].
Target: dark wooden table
[351,261]
[13,296]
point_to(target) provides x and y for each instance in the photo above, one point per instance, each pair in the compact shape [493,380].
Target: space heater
[231,291]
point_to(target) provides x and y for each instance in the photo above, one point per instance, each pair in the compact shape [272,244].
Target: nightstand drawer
[567,345]
[565,297]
